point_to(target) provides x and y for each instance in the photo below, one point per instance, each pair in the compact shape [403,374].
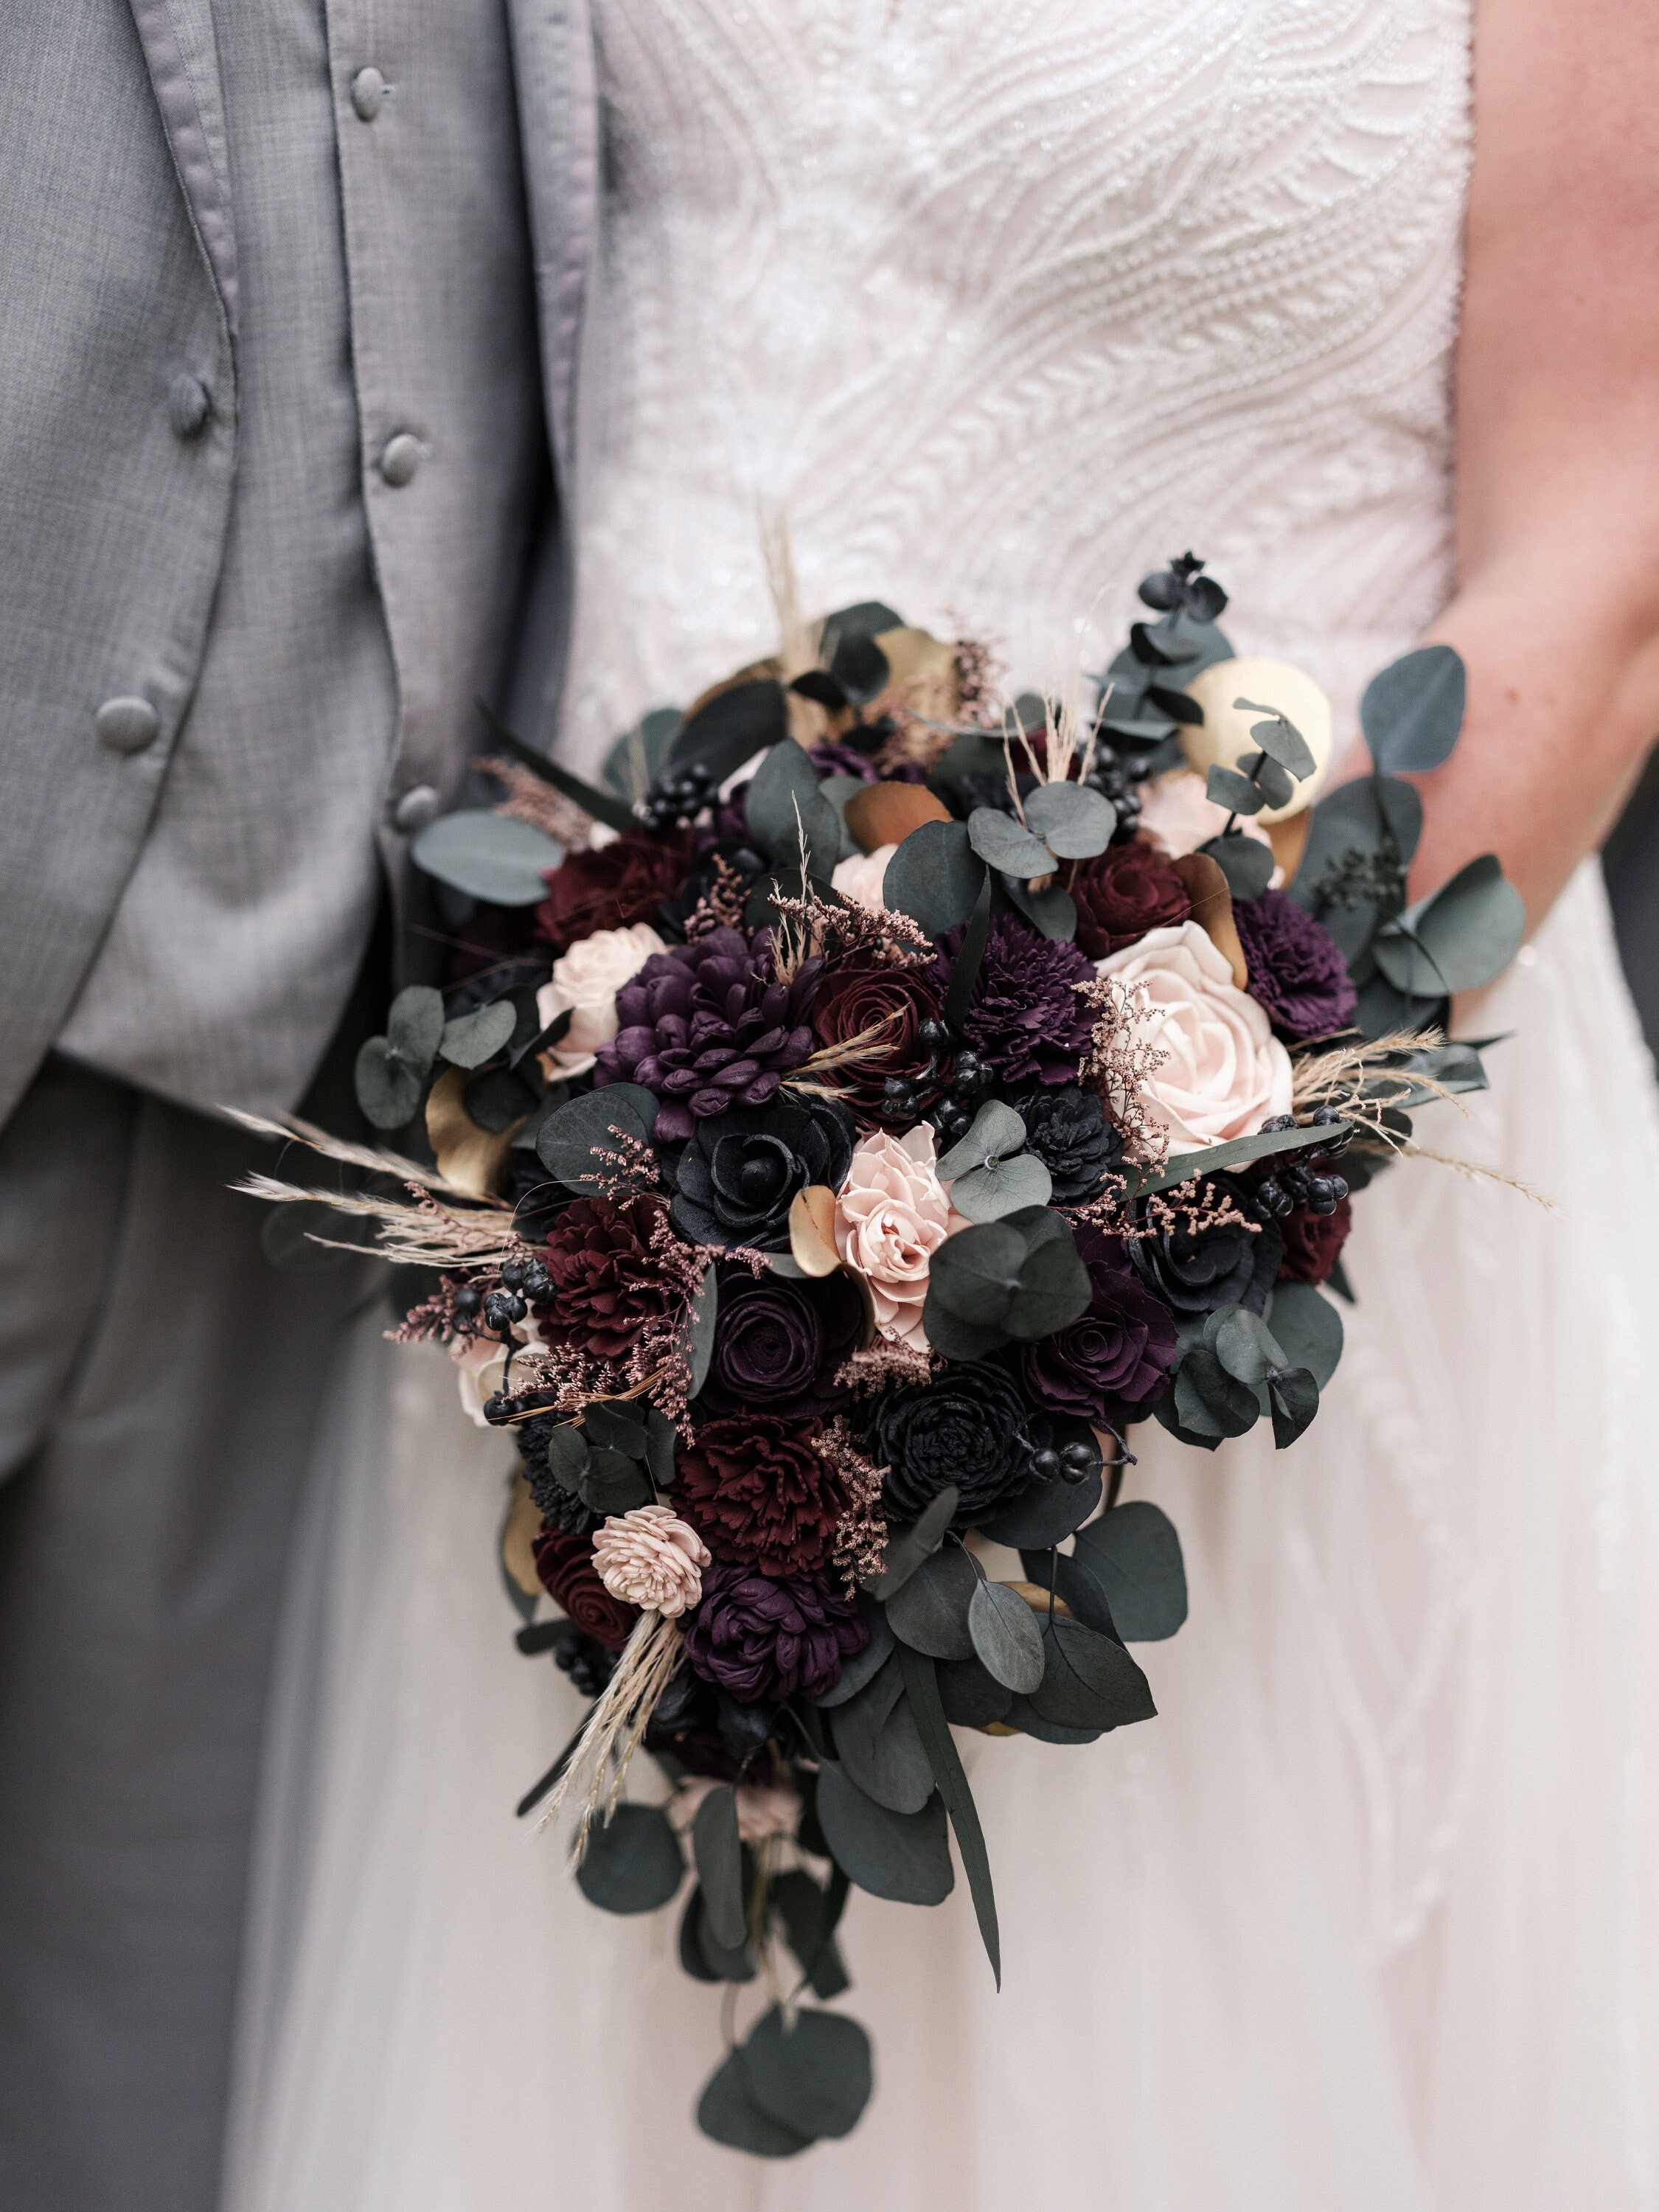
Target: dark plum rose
[831,757]
[1024,1017]
[1313,1242]
[1123,892]
[607,1284]
[565,1564]
[1297,969]
[757,1492]
[895,1001]
[609,888]
[1199,1271]
[1109,1365]
[709,1026]
[968,1427]
[778,1345]
[738,1175]
[763,1636]
[1068,1131]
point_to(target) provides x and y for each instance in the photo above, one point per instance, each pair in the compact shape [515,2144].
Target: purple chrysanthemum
[1297,969]
[1025,1019]
[708,1026]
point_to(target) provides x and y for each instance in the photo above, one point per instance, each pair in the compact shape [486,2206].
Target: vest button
[189,404]
[127,726]
[368,89]
[419,804]
[400,458]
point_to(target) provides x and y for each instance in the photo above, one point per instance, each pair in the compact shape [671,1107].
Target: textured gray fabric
[383,288]
[160,1395]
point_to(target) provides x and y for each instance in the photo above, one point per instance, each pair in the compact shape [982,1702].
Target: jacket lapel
[183,61]
[559,128]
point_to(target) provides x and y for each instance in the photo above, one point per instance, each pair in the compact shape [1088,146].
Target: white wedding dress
[992,304]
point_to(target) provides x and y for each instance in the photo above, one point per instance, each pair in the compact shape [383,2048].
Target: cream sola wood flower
[892,1214]
[651,1558]
[1223,1072]
[585,983]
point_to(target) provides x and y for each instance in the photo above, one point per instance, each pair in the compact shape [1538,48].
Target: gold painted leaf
[473,1159]
[518,1532]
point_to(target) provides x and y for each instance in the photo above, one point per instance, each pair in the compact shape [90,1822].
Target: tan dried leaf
[886,813]
[812,1230]
[1213,909]
[518,1532]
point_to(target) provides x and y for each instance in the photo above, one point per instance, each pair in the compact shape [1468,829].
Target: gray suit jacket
[118,272]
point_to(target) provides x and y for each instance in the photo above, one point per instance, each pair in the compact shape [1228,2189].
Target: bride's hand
[1557,472]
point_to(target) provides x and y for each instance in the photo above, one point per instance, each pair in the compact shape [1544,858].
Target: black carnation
[968,1427]
[740,1174]
[1067,1129]
[1199,1271]
[559,1508]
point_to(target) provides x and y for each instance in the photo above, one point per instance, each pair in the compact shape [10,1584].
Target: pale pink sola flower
[1178,817]
[861,877]
[585,982]
[764,1808]
[482,1363]
[1224,1073]
[892,1216]
[651,1558]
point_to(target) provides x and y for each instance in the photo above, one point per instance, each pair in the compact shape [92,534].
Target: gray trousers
[159,1389]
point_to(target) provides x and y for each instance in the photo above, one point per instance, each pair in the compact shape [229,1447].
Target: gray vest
[251,584]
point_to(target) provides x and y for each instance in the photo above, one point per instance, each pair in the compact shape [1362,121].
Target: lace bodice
[992,302]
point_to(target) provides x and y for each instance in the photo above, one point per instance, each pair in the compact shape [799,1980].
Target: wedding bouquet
[847,1121]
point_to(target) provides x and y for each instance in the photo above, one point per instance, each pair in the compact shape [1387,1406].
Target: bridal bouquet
[848,1121]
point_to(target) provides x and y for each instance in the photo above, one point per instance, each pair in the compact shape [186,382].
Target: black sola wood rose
[812,1164]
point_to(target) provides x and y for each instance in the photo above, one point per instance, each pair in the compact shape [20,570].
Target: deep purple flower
[1024,1017]
[768,1637]
[831,757]
[708,1026]
[1108,1364]
[1297,969]
[778,1344]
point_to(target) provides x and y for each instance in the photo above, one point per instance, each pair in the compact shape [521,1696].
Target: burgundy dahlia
[565,1564]
[856,997]
[763,1637]
[607,1284]
[1109,1364]
[1313,1242]
[709,1026]
[610,887]
[1123,892]
[1024,1017]
[1297,969]
[757,1492]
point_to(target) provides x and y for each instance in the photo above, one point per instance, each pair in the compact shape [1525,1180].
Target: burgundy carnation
[1123,892]
[764,1637]
[1024,1016]
[1297,969]
[758,1494]
[608,1284]
[565,1564]
[854,998]
[1313,1242]
[708,1026]
[608,888]
[1107,1365]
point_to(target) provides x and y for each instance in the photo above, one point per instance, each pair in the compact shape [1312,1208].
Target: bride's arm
[1557,484]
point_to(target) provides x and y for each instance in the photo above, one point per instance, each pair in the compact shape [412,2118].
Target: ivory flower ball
[1223,737]
[1225,1072]
[585,982]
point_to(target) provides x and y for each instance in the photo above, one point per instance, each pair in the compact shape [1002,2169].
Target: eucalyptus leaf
[1005,1637]
[1225,787]
[701,1956]
[1245,862]
[730,728]
[859,666]
[929,1610]
[489,856]
[996,1131]
[976,1273]
[388,1090]
[907,1547]
[1412,710]
[611,1483]
[567,1456]
[617,1424]
[471,1039]
[661,1440]
[700,1332]
[1273,782]
[954,1339]
[727,2113]
[1310,1328]
[1055,1289]
[719,1856]
[498,1100]
[1281,741]
[971,1697]
[416,1024]
[863,1666]
[875,1741]
[965,973]
[1043,1514]
[1243,1344]
[813,2075]
[808,1914]
[1052,912]
[934,877]
[975,753]
[1471,928]
[1134,1553]
[989,1192]
[1089,1680]
[571,1141]
[1294,1400]
[633,1863]
[1206,1396]
[1001,843]
[1073,820]
[783,804]
[922,1687]
[866,617]
[903,1856]
[1186,1167]
[636,758]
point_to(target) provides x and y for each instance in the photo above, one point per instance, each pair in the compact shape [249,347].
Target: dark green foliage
[901,1855]
[633,1863]
[1134,1554]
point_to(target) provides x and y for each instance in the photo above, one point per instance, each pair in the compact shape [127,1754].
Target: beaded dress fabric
[985,306]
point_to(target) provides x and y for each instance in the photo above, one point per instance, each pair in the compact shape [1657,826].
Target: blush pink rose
[860,877]
[892,1216]
[1225,1072]
[651,1558]
[585,983]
